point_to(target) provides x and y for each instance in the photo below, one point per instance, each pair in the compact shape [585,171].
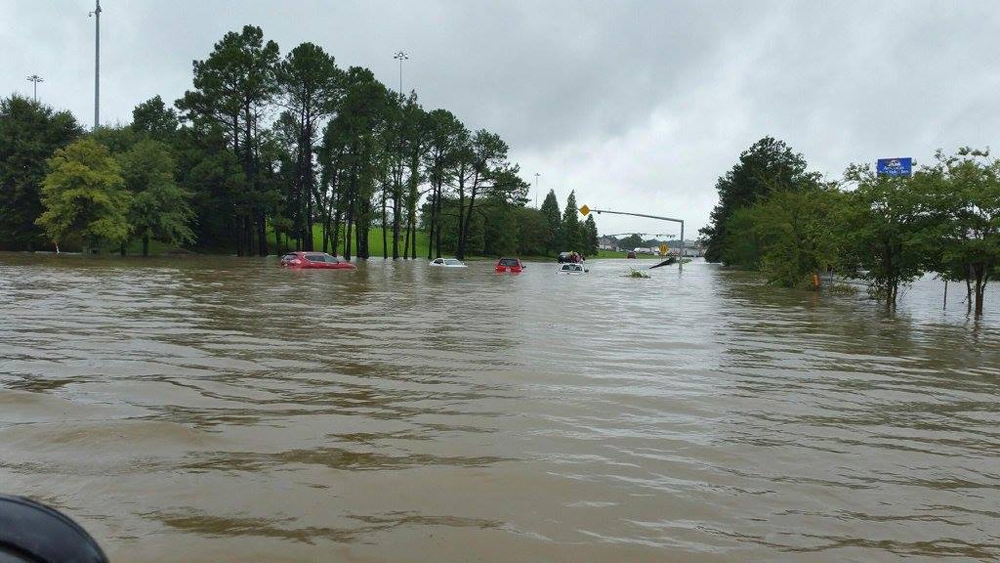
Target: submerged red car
[511,265]
[315,260]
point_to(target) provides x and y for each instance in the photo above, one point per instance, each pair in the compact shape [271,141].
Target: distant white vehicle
[572,269]
[448,263]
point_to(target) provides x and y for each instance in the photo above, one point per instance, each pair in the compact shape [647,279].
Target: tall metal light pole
[97,63]
[400,56]
[536,189]
[36,79]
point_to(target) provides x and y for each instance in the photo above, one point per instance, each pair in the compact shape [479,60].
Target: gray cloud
[637,106]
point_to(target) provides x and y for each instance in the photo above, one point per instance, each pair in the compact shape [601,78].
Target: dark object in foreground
[667,262]
[31,532]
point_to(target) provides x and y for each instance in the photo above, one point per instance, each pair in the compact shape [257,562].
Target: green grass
[375,247]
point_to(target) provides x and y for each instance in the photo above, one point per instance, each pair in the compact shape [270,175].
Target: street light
[401,56]
[36,79]
[97,62]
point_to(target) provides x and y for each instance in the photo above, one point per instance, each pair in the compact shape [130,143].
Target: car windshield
[453,262]
[289,257]
[508,261]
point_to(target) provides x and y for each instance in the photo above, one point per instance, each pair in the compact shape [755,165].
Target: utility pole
[36,79]
[401,56]
[536,189]
[97,63]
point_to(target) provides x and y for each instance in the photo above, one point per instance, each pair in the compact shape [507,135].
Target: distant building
[607,243]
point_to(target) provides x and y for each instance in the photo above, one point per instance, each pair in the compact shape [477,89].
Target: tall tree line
[269,152]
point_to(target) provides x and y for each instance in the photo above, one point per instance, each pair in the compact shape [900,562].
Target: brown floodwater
[224,409]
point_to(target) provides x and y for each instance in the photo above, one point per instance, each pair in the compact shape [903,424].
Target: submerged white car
[572,269]
[448,263]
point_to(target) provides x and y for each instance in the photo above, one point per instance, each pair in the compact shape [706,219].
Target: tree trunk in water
[385,234]
[347,237]
[262,234]
[464,225]
[413,226]
[406,245]
[121,249]
[145,246]
[980,290]
[460,251]
[336,232]
[430,230]
[397,207]
[437,232]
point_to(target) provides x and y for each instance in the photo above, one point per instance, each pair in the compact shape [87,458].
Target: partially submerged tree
[311,85]
[767,167]
[84,195]
[29,133]
[233,89]
[966,189]
[887,230]
[159,209]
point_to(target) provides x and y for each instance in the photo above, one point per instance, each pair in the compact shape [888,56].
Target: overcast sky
[638,106]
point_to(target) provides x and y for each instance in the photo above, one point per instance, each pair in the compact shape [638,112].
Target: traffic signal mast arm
[586,210]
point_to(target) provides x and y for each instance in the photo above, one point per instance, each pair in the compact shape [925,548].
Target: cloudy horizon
[637,106]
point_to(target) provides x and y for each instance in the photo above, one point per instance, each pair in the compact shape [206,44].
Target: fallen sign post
[680,257]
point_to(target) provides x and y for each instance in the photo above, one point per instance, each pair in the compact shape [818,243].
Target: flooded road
[224,409]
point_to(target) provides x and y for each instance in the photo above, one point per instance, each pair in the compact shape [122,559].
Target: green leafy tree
[768,166]
[798,234]
[572,233]
[490,173]
[117,139]
[631,242]
[159,208]
[311,85]
[416,135]
[155,120]
[353,155]
[888,230]
[965,191]
[84,195]
[742,246]
[233,88]
[29,134]
[533,231]
[550,210]
[592,239]
[446,138]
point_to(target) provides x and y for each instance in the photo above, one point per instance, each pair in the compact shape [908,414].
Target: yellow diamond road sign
[663,249]
[585,210]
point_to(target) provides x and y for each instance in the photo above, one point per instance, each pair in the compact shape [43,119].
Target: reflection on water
[212,409]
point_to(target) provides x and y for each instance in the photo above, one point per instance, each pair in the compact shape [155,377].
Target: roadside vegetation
[261,153]
[776,217]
